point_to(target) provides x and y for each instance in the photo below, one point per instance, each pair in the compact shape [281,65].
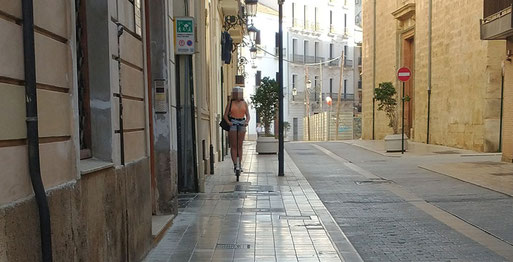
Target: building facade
[455,89]
[316,36]
[495,26]
[123,125]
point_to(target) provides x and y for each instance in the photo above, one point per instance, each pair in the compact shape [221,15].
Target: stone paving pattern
[262,218]
[383,226]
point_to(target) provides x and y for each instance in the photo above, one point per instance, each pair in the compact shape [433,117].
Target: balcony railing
[297,58]
[334,62]
[497,22]
[348,63]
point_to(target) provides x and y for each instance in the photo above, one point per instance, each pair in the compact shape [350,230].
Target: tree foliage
[386,96]
[265,101]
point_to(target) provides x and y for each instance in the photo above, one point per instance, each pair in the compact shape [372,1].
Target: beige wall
[465,73]
[55,80]
[507,131]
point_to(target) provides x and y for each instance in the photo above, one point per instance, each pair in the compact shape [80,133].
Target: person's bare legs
[242,135]
[232,135]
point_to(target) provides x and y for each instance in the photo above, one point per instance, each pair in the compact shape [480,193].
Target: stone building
[455,88]
[124,125]
[496,25]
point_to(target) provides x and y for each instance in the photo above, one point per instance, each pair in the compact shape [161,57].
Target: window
[305,51]
[293,14]
[305,15]
[316,82]
[345,89]
[331,87]
[84,110]
[294,50]
[316,52]
[258,78]
[345,20]
[294,86]
[331,19]
[331,51]
[138,17]
[315,20]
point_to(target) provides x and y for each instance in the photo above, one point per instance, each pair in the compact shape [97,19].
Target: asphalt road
[391,210]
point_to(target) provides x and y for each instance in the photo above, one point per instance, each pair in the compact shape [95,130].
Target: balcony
[334,62]
[302,59]
[497,23]
[348,63]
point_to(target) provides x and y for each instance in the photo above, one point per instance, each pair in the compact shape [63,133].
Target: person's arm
[226,113]
[248,115]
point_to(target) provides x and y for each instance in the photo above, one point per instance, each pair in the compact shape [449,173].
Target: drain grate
[264,188]
[253,210]
[447,152]
[501,174]
[233,246]
[296,217]
[316,226]
[374,182]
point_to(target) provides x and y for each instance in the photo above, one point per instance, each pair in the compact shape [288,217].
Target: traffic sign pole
[403,75]
[402,138]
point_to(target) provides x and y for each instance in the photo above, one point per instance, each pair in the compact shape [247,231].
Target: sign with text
[184,36]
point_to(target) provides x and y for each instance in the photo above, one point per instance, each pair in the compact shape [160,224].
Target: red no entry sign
[404,74]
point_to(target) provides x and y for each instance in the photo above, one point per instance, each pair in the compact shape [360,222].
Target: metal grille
[296,217]
[233,246]
[373,181]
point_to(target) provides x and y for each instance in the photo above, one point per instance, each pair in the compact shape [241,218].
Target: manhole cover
[233,246]
[373,182]
[253,210]
[296,217]
[501,174]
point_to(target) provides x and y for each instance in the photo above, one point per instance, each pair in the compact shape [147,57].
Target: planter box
[267,145]
[393,143]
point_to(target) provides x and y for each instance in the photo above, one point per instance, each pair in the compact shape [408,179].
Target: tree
[385,95]
[265,101]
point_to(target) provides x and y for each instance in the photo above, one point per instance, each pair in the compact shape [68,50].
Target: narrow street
[341,202]
[392,210]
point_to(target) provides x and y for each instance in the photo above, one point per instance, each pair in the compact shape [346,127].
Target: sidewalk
[261,218]
[482,169]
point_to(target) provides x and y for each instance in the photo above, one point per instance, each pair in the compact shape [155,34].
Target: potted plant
[265,101]
[386,96]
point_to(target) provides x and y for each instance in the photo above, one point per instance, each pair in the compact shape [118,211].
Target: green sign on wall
[184,36]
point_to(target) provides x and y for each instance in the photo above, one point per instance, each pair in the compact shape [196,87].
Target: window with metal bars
[84,110]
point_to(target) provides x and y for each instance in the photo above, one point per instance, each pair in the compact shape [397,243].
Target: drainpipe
[502,101]
[374,75]
[32,130]
[121,128]
[430,46]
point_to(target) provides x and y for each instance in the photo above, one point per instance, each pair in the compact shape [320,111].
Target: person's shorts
[240,123]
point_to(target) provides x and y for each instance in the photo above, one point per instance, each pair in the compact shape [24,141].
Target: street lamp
[251,7]
[253,52]
[253,31]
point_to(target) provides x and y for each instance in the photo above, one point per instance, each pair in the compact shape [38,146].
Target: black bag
[224,125]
